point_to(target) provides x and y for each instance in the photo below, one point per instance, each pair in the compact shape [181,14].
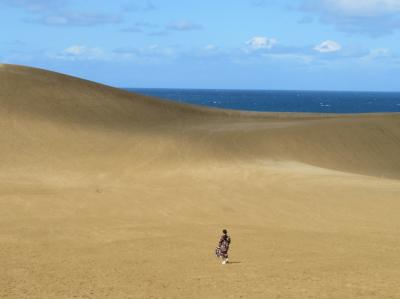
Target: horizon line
[262,89]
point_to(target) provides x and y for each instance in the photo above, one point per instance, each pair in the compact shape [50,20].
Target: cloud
[145,27]
[372,17]
[147,54]
[183,25]
[161,54]
[36,6]
[210,47]
[207,52]
[141,55]
[328,46]
[324,54]
[155,30]
[80,52]
[261,42]
[377,54]
[55,13]
[76,19]
[263,49]
[358,8]
[289,57]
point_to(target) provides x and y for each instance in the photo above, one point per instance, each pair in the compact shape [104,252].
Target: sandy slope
[104,193]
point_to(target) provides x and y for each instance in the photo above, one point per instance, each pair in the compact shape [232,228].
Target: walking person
[223,247]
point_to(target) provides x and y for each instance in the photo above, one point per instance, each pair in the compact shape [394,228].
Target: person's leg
[224,258]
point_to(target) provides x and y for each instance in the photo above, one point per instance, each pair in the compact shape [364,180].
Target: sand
[108,194]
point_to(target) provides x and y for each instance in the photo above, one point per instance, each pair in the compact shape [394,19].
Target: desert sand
[109,194]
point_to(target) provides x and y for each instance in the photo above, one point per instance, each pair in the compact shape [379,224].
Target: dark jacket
[224,243]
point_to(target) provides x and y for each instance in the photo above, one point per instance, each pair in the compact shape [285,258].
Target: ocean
[282,101]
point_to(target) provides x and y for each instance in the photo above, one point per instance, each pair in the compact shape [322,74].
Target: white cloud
[261,42]
[365,8]
[210,47]
[328,46]
[376,54]
[36,6]
[294,57]
[79,52]
[75,50]
[372,17]
[56,13]
[148,54]
[77,19]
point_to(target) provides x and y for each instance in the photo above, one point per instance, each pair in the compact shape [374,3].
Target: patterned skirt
[221,251]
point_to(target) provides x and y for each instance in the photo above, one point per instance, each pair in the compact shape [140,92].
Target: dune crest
[69,124]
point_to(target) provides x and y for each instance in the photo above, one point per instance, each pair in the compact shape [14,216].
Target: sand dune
[105,193]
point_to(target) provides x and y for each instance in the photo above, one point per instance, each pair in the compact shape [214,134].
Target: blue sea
[282,101]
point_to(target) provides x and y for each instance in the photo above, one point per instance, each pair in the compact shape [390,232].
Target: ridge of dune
[62,119]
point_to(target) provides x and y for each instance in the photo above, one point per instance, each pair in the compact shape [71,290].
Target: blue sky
[246,44]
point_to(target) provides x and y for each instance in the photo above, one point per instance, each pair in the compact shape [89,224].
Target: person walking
[223,246]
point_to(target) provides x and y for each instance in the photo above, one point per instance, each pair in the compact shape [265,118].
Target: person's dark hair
[224,231]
